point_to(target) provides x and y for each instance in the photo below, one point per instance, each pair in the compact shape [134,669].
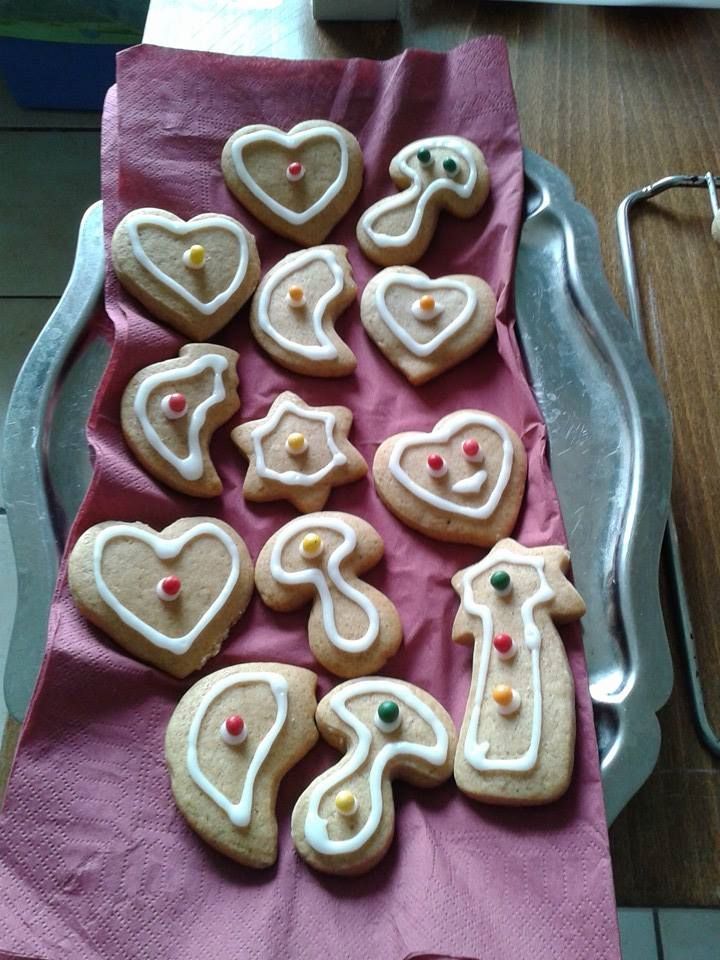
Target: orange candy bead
[502,695]
[427,302]
[295,293]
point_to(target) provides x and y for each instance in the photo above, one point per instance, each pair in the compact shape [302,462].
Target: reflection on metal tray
[610,452]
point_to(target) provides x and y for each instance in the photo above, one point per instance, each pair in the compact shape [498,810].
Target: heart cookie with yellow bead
[426,326]
[194,275]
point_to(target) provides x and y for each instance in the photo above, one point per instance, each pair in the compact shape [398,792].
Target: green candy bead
[388,711]
[500,581]
[424,156]
[450,166]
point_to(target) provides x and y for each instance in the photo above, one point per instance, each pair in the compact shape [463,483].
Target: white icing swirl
[295,477]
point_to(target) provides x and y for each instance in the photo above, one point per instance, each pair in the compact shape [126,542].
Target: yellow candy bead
[295,293]
[502,695]
[427,302]
[346,803]
[296,442]
[197,255]
[311,545]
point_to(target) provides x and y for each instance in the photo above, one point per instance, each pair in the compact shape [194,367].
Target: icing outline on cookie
[411,193]
[452,425]
[165,550]
[134,222]
[315,827]
[295,477]
[423,283]
[190,467]
[476,753]
[318,579]
[324,349]
[291,142]
[239,813]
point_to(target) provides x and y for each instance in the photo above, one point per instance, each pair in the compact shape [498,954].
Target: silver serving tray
[609,441]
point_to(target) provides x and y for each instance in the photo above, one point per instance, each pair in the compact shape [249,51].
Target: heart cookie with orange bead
[426,326]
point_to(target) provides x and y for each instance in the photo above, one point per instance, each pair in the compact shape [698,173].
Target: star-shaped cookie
[297,452]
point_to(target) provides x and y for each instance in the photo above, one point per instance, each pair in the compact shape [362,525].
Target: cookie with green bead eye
[344,822]
[434,174]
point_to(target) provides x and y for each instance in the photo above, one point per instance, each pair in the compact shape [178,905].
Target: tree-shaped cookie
[518,736]
[298,453]
[345,820]
[353,628]
[434,174]
[230,741]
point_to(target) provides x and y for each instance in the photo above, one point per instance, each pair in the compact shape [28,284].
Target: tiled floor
[49,175]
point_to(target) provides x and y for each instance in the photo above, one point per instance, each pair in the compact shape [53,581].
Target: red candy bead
[435,461]
[471,447]
[502,642]
[171,585]
[295,169]
[177,402]
[234,725]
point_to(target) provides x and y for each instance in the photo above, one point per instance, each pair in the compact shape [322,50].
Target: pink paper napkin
[96,861]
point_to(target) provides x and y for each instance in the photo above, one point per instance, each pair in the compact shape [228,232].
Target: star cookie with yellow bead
[193,275]
[426,326]
[295,307]
[298,453]
[353,628]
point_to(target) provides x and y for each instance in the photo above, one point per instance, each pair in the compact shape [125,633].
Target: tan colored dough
[173,433]
[226,765]
[419,771]
[267,161]
[166,251]
[132,571]
[398,300]
[351,621]
[295,323]
[510,736]
[444,524]
[260,488]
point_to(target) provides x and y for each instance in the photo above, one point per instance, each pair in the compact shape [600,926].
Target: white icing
[454,424]
[421,313]
[295,477]
[168,410]
[135,221]
[508,709]
[324,349]
[390,277]
[164,595]
[239,813]
[233,740]
[291,142]
[476,752]
[165,550]
[190,264]
[471,484]
[191,466]
[416,191]
[319,579]
[316,827]
[386,727]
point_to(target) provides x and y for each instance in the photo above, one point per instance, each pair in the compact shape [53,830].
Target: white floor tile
[690,934]
[637,934]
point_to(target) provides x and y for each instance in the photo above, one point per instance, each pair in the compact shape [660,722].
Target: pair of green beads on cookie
[449,164]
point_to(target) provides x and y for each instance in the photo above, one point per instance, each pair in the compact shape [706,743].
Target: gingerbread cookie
[193,275]
[517,741]
[425,326]
[170,410]
[300,183]
[344,821]
[231,740]
[463,482]
[353,628]
[295,307]
[298,453]
[168,598]
[437,173]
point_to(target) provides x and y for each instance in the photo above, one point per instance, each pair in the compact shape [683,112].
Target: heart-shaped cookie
[426,326]
[168,598]
[194,275]
[300,183]
[462,482]
[170,410]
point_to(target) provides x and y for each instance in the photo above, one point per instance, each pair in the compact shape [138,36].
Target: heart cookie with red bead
[167,598]
[193,275]
[426,326]
[231,740]
[517,740]
[171,409]
[299,183]
[344,822]
[463,482]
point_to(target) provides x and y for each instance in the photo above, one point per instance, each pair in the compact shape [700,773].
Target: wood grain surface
[616,98]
